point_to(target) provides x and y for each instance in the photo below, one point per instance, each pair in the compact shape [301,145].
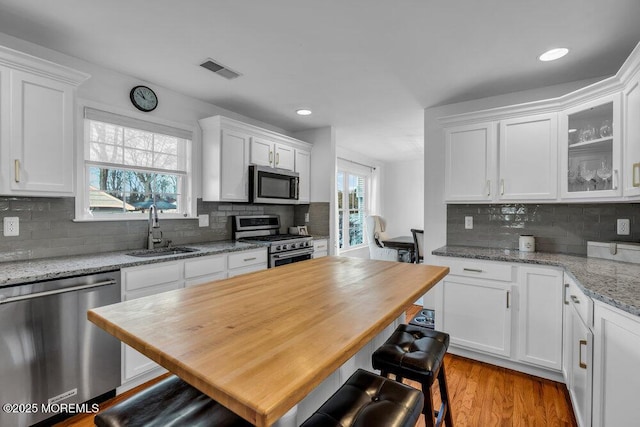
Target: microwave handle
[297,189]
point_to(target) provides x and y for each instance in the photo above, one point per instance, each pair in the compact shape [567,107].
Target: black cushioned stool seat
[369,400]
[170,402]
[417,353]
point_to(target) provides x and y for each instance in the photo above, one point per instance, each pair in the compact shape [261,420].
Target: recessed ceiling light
[303,112]
[553,54]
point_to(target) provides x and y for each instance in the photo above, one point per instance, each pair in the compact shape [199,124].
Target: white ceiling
[366,67]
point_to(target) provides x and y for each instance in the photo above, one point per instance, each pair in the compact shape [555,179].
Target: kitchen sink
[144,253]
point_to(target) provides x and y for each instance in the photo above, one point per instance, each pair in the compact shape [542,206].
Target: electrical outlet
[203,220]
[623,228]
[468,223]
[11,226]
[306,217]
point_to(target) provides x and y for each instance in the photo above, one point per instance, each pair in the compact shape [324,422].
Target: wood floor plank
[482,395]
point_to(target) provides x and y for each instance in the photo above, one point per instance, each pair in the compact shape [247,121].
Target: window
[351,209]
[131,164]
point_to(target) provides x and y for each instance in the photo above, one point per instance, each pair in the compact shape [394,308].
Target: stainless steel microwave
[271,185]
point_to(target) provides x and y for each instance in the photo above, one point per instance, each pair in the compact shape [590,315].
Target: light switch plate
[11,226]
[306,217]
[203,220]
[468,222]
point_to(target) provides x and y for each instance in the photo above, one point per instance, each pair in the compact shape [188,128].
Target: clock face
[143,98]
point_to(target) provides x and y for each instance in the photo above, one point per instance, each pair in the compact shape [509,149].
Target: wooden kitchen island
[261,342]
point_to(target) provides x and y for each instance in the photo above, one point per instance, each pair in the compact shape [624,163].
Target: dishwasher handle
[6,300]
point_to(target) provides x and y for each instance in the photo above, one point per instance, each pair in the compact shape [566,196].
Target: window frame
[345,208]
[83,164]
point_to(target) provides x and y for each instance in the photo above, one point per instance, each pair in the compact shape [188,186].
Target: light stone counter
[22,272]
[614,283]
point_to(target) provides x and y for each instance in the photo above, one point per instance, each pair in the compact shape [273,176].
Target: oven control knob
[293,245]
[278,247]
[285,247]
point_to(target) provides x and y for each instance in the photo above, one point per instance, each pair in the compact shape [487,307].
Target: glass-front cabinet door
[590,154]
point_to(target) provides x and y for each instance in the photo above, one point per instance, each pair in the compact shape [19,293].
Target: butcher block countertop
[260,342]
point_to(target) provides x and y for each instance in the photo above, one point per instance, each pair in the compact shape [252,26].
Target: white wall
[403,197]
[435,209]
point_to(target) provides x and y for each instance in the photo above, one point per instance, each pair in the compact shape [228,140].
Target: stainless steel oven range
[265,229]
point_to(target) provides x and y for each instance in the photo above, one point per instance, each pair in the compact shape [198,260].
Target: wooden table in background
[260,342]
[402,243]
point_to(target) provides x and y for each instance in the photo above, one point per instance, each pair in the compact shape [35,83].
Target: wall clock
[143,98]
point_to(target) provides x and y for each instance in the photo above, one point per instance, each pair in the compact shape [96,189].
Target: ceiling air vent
[220,69]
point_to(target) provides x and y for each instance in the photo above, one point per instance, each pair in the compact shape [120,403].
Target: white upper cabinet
[36,125]
[469,164]
[631,162]
[303,167]
[528,168]
[269,153]
[230,146]
[590,149]
[581,147]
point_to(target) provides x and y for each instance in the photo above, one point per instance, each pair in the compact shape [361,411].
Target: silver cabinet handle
[250,259]
[16,164]
[502,187]
[277,159]
[473,270]
[575,299]
[270,156]
[508,299]
[5,300]
[581,343]
[488,187]
[614,184]
[566,288]
[636,174]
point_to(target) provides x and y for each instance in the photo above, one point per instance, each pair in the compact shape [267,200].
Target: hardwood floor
[482,395]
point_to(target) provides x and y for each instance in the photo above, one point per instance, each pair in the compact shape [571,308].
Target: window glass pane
[126,191]
[105,133]
[138,139]
[340,228]
[356,232]
[105,153]
[340,186]
[356,192]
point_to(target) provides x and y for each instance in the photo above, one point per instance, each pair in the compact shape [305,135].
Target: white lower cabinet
[578,350]
[616,358]
[152,279]
[320,248]
[476,314]
[540,317]
[502,313]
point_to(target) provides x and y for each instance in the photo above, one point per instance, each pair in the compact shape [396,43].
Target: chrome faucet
[153,223]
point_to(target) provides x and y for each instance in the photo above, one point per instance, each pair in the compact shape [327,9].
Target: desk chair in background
[418,243]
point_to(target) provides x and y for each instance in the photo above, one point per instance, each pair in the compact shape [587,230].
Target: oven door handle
[291,254]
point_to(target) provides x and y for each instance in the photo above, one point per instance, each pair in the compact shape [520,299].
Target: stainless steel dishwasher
[50,354]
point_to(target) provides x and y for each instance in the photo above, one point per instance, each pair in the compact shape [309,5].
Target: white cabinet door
[262,152]
[234,166]
[205,269]
[581,368]
[477,314]
[540,317]
[285,157]
[590,146]
[41,136]
[631,157]
[270,153]
[303,167]
[528,158]
[616,358]
[469,164]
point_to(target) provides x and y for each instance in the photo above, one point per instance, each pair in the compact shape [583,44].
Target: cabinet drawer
[156,274]
[204,266]
[481,270]
[582,303]
[320,245]
[243,259]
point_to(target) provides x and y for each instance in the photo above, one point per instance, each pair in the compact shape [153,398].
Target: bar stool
[369,400]
[169,402]
[417,353]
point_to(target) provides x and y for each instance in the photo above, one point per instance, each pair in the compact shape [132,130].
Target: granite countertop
[22,272]
[612,282]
